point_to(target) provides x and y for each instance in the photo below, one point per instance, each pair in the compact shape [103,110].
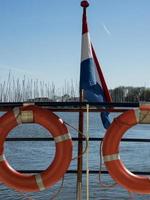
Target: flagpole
[84,5]
[80,149]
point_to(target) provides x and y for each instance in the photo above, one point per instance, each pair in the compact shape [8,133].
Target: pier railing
[75,107]
[76,139]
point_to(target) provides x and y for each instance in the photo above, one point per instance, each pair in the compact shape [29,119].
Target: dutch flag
[92,81]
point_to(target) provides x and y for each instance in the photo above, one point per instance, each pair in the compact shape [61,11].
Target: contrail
[106,29]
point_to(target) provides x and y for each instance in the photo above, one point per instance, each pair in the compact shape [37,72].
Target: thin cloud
[106,29]
[21,73]
[16,70]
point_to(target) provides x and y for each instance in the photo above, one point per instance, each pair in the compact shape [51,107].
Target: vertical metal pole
[84,5]
[80,149]
[87,153]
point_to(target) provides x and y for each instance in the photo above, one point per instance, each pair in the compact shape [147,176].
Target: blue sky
[42,39]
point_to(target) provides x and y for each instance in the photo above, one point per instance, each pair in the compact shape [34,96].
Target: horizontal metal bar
[5,109]
[80,104]
[96,109]
[25,139]
[70,104]
[83,171]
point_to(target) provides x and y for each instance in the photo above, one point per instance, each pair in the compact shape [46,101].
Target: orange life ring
[110,150]
[63,154]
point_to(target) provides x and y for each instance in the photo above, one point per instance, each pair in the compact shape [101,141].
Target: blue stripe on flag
[87,74]
[93,92]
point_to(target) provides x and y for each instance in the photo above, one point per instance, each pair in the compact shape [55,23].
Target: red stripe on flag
[100,73]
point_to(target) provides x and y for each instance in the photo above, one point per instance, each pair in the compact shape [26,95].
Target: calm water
[38,155]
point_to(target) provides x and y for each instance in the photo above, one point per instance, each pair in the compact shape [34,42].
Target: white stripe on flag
[86,51]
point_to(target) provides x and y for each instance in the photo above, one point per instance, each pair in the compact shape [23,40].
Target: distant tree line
[130,94]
